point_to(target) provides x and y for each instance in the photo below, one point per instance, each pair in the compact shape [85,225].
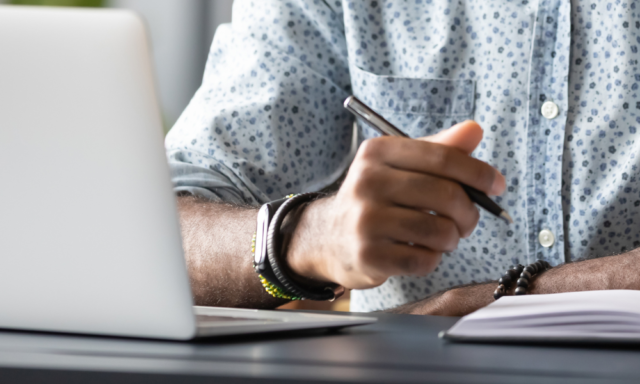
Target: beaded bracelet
[276,291]
[505,281]
[530,271]
[271,289]
[525,274]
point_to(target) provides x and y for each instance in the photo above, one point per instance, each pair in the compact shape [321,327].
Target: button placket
[547,118]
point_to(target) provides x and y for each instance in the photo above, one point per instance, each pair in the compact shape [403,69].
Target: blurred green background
[72,3]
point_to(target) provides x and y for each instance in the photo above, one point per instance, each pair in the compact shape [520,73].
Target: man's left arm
[611,272]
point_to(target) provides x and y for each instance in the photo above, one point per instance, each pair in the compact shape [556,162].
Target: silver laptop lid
[89,237]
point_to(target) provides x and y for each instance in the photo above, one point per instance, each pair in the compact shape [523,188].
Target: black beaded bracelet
[525,275]
[504,284]
[529,272]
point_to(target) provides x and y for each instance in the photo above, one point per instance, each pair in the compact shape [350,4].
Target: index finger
[434,159]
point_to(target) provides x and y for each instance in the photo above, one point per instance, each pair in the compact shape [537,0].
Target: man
[553,83]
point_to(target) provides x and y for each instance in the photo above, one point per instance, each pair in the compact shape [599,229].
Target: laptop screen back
[89,237]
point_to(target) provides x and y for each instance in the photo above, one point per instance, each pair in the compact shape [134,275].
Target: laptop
[89,234]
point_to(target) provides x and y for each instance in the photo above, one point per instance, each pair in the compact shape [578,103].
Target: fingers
[433,159]
[393,259]
[427,230]
[429,193]
[384,206]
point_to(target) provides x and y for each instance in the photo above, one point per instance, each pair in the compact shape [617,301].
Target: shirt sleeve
[268,118]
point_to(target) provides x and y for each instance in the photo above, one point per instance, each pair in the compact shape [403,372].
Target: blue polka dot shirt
[554,84]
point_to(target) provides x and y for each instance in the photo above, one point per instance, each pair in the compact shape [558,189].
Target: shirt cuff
[204,182]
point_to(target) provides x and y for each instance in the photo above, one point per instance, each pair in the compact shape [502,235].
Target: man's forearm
[612,272]
[216,241]
[458,301]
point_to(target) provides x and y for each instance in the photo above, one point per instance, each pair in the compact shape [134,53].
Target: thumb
[464,136]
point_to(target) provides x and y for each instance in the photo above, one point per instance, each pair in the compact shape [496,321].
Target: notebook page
[591,314]
[545,305]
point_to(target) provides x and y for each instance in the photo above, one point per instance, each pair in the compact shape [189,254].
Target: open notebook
[592,316]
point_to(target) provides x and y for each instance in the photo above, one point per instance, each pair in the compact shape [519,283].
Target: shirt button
[546,238]
[550,110]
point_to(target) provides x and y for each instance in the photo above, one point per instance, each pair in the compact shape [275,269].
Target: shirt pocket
[417,106]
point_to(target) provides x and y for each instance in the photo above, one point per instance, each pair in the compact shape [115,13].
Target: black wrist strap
[264,269]
[277,260]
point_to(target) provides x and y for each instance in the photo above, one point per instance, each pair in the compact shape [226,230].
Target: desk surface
[397,349]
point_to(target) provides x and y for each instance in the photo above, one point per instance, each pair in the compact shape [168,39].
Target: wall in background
[181,34]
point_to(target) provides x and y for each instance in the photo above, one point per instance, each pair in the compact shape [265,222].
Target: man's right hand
[381,223]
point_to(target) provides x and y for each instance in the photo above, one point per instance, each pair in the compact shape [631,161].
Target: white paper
[591,314]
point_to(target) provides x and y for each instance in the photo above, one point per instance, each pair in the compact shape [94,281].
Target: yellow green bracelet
[271,289]
[275,291]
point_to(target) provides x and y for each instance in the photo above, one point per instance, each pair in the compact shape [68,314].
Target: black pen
[380,124]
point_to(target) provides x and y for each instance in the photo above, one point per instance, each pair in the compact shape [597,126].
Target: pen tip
[506,217]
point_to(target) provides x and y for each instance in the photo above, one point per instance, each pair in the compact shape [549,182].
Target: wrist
[305,242]
[464,300]
[441,304]
[272,265]
[453,303]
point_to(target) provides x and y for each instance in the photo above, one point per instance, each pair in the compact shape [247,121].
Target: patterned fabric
[268,118]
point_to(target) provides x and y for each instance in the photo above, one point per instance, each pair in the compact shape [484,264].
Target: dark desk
[399,348]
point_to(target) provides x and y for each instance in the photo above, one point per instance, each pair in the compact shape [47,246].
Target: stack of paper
[591,316]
